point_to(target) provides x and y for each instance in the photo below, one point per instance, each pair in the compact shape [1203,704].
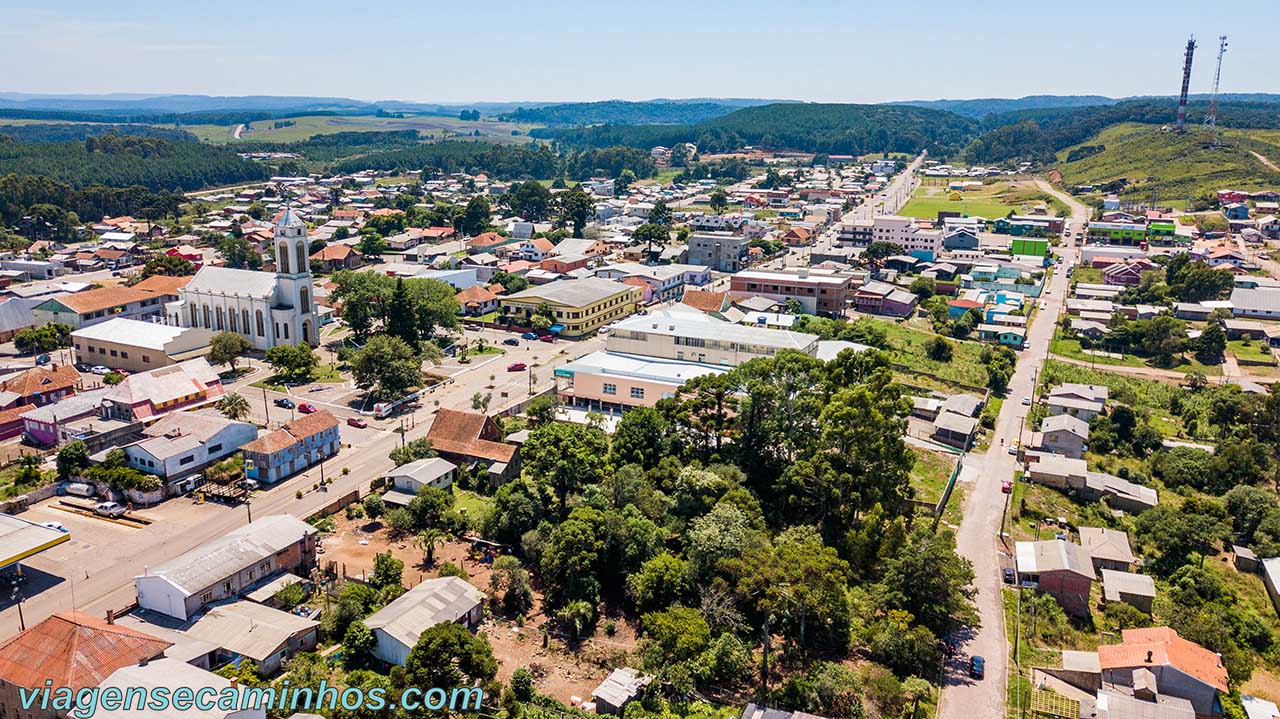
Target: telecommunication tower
[1211,118]
[1186,84]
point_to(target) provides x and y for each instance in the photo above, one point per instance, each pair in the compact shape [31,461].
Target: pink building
[613,382]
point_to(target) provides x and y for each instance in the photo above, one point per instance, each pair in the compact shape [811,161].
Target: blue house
[293,448]
[1236,211]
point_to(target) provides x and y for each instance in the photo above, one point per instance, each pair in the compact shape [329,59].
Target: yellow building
[580,307]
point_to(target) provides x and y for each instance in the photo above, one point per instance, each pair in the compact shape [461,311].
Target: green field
[429,126]
[991,201]
[1251,351]
[1173,168]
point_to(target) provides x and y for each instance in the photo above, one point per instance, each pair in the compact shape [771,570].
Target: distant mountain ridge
[979,108]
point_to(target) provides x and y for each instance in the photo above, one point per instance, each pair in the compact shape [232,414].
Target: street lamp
[17,595]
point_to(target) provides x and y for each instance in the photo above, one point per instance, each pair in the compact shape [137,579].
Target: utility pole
[249,506]
[266,407]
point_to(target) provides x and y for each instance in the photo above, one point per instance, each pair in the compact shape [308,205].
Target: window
[261,331]
[146,359]
[304,300]
[244,316]
[302,257]
[214,448]
[113,353]
[637,393]
[187,459]
[610,388]
[124,355]
[286,330]
[208,596]
[282,255]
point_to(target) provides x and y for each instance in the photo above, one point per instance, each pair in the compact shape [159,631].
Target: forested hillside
[76,131]
[619,112]
[809,127]
[507,162]
[121,161]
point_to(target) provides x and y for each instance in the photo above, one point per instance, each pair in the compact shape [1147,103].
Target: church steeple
[291,244]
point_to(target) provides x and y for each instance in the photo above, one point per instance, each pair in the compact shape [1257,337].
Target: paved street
[978,538]
[80,575]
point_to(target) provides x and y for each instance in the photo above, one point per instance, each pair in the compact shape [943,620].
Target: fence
[338,504]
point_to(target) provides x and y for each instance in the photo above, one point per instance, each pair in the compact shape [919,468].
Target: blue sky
[850,51]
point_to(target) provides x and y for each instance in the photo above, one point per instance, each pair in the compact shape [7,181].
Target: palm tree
[234,407]
[427,540]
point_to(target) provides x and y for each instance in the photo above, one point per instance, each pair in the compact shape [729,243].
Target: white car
[109,509]
[1013,448]
[1026,400]
[53,525]
[99,369]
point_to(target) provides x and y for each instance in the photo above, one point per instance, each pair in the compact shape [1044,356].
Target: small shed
[1138,590]
[1245,559]
[621,687]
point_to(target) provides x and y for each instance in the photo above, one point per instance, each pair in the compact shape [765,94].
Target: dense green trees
[125,160]
[424,307]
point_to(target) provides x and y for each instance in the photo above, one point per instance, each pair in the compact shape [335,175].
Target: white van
[79,489]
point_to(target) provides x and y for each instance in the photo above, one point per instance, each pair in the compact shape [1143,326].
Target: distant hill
[1144,162]
[982,107]
[72,131]
[1038,134]
[807,127]
[619,112]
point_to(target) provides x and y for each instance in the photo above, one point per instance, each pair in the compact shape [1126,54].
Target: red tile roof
[467,434]
[74,650]
[163,284]
[335,252]
[42,380]
[103,298]
[293,432]
[1165,647]
[476,294]
[487,239]
[704,300]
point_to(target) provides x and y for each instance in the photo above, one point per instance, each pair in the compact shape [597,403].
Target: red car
[517,367]
[306,408]
[357,422]
[1007,486]
[547,338]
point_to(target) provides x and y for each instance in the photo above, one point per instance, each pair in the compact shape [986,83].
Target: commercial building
[183,443]
[906,233]
[138,346]
[694,337]
[296,446]
[91,307]
[579,307]
[225,567]
[145,395]
[817,291]
[722,251]
[608,381]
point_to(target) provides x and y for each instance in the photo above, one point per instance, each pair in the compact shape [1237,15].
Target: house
[817,292]
[246,630]
[337,257]
[1271,579]
[1006,335]
[145,395]
[722,251]
[295,447]
[1084,404]
[407,479]
[1236,211]
[82,309]
[877,297]
[397,626]
[758,711]
[137,346]
[170,678]
[72,649]
[1107,548]
[615,382]
[1062,434]
[578,307]
[476,301]
[708,301]
[1138,590]
[488,242]
[623,686]
[474,439]
[1181,668]
[181,444]
[1243,329]
[56,423]
[954,429]
[36,387]
[1126,274]
[1255,708]
[225,567]
[1058,568]
[1057,471]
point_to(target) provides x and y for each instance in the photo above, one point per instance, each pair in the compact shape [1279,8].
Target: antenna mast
[1186,84]
[1211,119]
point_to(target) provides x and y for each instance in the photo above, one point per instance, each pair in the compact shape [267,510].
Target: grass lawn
[992,409]
[322,373]
[8,477]
[1251,351]
[991,201]
[930,473]
[486,350]
[1066,347]
[428,126]
[1087,275]
[906,347]
[475,506]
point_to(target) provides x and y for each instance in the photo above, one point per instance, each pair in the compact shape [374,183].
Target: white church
[268,309]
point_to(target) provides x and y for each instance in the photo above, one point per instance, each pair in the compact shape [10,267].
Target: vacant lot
[992,200]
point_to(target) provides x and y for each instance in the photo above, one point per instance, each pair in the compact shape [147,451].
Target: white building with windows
[267,308]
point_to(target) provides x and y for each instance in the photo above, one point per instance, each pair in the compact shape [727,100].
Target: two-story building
[184,443]
[82,309]
[294,447]
[578,307]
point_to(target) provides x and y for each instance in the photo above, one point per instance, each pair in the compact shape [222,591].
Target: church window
[304,301]
[261,331]
[282,253]
[286,330]
[231,320]
[244,318]
[302,257]
[207,324]
[218,317]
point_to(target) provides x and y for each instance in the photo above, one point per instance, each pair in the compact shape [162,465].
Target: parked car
[43,360]
[100,370]
[547,338]
[79,489]
[249,484]
[357,422]
[511,342]
[1026,400]
[53,525]
[1009,575]
[306,408]
[1013,448]
[517,367]
[529,336]
[109,509]
[1007,486]
[284,402]
[82,367]
[977,667]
